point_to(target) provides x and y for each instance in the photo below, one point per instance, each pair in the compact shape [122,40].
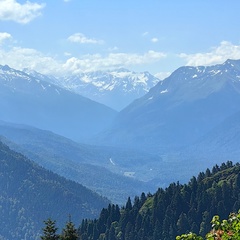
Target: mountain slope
[29,100]
[30,194]
[180,109]
[116,88]
[221,143]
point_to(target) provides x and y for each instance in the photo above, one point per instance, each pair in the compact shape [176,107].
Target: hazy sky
[62,36]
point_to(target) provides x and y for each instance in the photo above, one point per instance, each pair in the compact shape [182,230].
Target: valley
[187,122]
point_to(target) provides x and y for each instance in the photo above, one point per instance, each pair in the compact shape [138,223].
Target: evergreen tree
[129,204]
[111,233]
[69,232]
[182,223]
[50,230]
[157,231]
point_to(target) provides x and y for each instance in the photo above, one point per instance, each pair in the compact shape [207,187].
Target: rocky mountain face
[180,109]
[30,100]
[115,89]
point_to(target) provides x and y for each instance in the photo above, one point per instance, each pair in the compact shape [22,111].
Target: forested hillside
[171,211]
[29,194]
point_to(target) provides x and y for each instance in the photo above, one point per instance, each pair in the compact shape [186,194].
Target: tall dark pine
[69,232]
[50,230]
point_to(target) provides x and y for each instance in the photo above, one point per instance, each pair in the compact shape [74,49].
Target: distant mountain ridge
[180,109]
[116,88]
[30,100]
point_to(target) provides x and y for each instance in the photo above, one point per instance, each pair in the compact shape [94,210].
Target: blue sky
[70,36]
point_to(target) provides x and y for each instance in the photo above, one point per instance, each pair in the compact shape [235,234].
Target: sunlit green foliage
[189,236]
[221,230]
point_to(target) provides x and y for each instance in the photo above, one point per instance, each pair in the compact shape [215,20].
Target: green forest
[30,193]
[179,210]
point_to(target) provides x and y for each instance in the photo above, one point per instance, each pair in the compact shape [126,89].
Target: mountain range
[115,89]
[179,110]
[174,122]
[30,100]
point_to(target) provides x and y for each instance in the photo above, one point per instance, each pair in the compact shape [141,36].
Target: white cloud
[4,36]
[67,54]
[145,34]
[20,58]
[154,40]
[162,75]
[113,49]
[216,55]
[113,60]
[11,10]
[81,38]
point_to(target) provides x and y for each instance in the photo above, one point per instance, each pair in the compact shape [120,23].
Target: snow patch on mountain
[164,91]
[23,82]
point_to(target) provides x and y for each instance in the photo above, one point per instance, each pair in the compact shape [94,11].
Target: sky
[60,37]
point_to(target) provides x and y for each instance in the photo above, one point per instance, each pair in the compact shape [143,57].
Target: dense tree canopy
[171,212]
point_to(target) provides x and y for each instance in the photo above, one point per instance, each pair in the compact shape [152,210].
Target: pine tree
[129,204]
[182,223]
[50,230]
[69,232]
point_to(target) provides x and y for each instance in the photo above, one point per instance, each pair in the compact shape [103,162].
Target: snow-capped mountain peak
[190,83]
[116,88]
[24,82]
